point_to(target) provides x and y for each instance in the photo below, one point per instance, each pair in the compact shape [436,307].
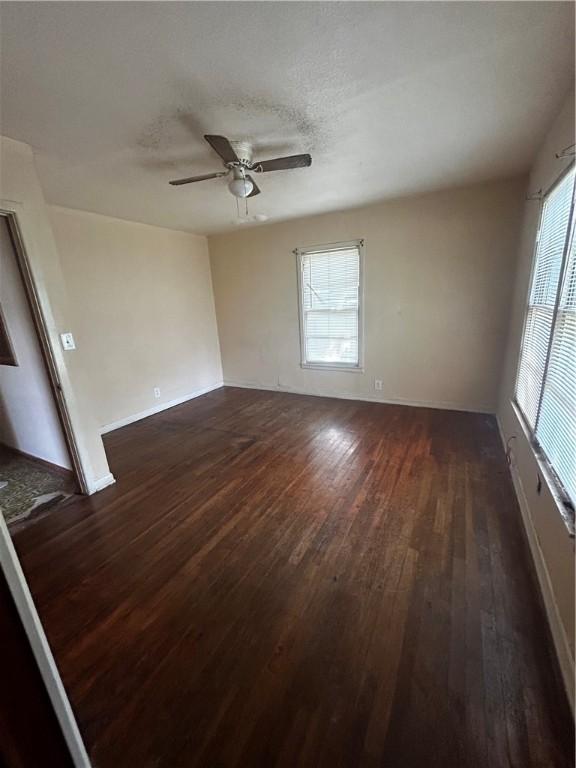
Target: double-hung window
[330,287]
[546,379]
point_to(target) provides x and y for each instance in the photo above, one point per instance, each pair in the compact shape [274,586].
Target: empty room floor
[283,580]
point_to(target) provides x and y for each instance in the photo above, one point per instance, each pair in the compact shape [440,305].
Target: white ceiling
[389,98]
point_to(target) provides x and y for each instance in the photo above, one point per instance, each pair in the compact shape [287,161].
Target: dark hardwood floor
[280,580]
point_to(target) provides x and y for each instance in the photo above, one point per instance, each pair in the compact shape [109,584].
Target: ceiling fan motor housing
[243,151]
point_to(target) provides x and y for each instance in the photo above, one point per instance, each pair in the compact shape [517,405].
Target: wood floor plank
[280,580]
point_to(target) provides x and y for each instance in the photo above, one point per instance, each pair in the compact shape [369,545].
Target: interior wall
[21,193]
[28,416]
[552,545]
[438,275]
[143,309]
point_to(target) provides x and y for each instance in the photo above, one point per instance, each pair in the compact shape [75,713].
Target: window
[546,381]
[330,284]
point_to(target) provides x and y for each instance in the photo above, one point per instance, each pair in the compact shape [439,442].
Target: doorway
[37,467]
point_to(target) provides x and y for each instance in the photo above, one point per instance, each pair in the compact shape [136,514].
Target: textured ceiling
[389,98]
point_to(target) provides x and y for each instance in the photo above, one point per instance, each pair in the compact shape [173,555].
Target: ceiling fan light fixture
[237,159]
[241,187]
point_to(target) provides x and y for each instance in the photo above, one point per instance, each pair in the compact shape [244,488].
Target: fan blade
[192,179]
[283,163]
[255,191]
[222,146]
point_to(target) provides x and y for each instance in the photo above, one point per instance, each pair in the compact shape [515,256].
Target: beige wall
[143,311]
[28,416]
[438,276]
[552,547]
[20,193]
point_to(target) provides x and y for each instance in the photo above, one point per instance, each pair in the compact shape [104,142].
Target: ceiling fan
[237,159]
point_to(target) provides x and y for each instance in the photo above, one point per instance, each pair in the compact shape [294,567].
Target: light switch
[67,341]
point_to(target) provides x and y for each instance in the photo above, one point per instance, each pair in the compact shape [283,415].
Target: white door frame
[30,289]
[10,565]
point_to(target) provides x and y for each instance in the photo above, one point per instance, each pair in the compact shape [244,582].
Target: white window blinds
[556,427]
[330,293]
[546,382]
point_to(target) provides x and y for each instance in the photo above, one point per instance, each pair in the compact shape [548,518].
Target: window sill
[320,367]
[556,491]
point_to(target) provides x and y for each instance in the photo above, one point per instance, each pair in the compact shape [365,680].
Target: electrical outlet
[156,392]
[378,384]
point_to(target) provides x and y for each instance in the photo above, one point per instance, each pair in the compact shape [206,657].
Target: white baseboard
[442,405]
[157,408]
[99,484]
[561,644]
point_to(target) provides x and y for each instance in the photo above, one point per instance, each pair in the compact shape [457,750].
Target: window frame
[555,483]
[322,248]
